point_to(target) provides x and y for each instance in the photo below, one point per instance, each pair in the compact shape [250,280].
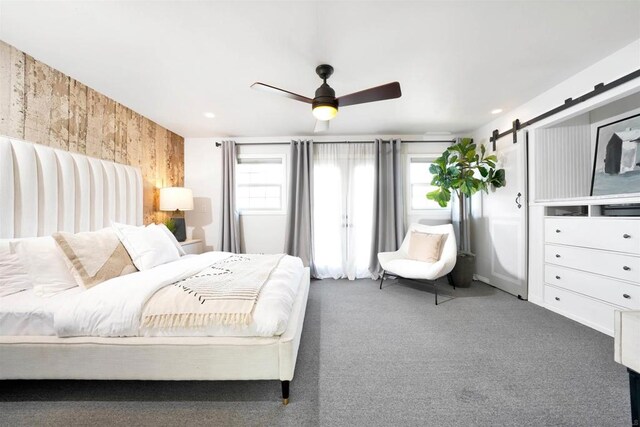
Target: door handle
[518,200]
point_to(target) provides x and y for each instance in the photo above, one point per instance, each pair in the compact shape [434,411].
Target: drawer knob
[627,296]
[557,255]
[558,277]
[557,298]
[626,268]
[626,236]
[557,230]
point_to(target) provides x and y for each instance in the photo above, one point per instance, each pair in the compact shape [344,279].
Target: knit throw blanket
[224,293]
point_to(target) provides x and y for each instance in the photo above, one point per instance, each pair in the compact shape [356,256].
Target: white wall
[608,69]
[264,233]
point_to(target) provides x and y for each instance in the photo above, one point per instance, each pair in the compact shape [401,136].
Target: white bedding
[113,308]
[25,313]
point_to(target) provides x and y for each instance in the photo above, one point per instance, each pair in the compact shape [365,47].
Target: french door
[343,209]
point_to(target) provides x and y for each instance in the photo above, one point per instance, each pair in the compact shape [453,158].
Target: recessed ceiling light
[496,111]
[209,115]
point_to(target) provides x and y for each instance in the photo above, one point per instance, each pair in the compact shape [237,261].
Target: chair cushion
[425,247]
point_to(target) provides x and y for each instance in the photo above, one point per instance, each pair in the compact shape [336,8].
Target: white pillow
[173,239]
[147,246]
[13,275]
[45,265]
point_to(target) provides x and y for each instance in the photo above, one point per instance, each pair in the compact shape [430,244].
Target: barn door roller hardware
[598,89]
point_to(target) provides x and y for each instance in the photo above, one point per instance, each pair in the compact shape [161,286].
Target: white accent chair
[399,265]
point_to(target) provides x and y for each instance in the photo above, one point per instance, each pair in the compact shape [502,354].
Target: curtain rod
[444,141]
[568,103]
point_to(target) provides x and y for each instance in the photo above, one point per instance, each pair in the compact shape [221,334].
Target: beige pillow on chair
[425,247]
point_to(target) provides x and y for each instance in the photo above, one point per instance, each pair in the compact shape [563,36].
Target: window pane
[259,183]
[419,173]
[420,184]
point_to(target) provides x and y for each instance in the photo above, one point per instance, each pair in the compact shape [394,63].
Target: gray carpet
[371,357]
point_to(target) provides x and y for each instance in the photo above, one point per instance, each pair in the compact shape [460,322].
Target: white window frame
[285,184]
[429,158]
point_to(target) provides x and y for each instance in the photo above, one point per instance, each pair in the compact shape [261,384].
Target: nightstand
[192,246]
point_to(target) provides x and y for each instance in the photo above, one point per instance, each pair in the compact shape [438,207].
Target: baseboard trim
[483,279]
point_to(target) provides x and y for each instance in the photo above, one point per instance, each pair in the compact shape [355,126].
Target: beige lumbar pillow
[96,256]
[425,246]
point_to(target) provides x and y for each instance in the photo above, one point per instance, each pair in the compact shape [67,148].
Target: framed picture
[616,165]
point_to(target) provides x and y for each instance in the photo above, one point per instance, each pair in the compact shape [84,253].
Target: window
[420,184]
[260,184]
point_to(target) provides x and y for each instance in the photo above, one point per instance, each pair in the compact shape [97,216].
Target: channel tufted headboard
[44,190]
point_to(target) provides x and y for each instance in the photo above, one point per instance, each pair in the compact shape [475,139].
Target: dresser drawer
[619,266]
[583,309]
[603,288]
[611,234]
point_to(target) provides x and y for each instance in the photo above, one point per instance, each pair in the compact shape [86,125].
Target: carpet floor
[373,357]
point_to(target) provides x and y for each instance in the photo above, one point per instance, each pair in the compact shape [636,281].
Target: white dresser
[591,268]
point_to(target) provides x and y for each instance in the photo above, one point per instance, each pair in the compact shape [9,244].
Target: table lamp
[177,199]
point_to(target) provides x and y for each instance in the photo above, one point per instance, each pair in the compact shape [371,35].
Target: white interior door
[506,210]
[343,208]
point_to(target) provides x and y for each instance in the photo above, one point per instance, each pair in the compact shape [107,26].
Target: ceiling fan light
[324,112]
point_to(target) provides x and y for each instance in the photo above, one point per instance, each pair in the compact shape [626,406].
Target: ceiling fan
[325,104]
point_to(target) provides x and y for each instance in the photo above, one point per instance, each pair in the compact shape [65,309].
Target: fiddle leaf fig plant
[461,169]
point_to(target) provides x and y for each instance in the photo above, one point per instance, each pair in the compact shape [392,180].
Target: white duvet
[114,308]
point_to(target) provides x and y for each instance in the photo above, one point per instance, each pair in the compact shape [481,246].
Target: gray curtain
[229,240]
[299,231]
[388,202]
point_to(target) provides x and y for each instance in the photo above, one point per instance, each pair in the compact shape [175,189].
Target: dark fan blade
[378,93]
[282,92]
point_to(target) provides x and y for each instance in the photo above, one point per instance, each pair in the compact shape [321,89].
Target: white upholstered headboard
[44,190]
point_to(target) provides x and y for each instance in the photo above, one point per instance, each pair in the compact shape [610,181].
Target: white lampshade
[176,198]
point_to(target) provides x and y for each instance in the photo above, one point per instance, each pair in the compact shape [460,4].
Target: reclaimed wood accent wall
[42,105]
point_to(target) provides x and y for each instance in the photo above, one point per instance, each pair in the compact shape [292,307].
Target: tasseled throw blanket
[224,293]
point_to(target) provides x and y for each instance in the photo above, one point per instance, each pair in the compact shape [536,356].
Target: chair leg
[382,278]
[285,392]
[435,286]
[451,282]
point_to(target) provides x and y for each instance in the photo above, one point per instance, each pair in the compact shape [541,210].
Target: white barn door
[506,210]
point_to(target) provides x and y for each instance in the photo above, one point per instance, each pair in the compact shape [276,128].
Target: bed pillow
[148,246]
[425,247]
[45,265]
[94,256]
[173,239]
[13,275]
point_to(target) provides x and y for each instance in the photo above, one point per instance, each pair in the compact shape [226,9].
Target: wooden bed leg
[285,392]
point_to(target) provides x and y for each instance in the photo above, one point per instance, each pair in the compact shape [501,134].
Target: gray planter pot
[463,271]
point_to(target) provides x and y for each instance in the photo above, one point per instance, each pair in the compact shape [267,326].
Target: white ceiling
[174,60]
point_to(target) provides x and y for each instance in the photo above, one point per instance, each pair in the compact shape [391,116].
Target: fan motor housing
[325,95]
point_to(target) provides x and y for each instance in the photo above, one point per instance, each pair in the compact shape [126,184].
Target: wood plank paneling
[59,113]
[150,184]
[121,134]
[134,138]
[108,133]
[42,105]
[77,117]
[12,63]
[38,101]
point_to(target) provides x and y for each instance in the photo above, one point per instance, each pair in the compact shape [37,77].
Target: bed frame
[49,190]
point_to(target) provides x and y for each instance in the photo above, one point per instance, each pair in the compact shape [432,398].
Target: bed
[79,193]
